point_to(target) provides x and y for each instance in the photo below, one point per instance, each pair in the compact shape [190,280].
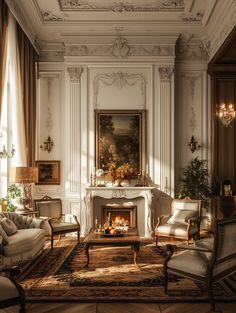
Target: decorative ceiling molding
[224,32]
[189,49]
[120,80]
[48,16]
[192,17]
[121,7]
[119,49]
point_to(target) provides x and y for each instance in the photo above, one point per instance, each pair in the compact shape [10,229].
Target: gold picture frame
[48,172]
[120,138]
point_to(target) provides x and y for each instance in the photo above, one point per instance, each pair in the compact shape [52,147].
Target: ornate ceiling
[71,21]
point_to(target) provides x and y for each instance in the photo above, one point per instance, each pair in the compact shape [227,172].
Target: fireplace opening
[120,215]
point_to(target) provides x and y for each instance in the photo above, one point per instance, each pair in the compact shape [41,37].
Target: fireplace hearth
[120,215]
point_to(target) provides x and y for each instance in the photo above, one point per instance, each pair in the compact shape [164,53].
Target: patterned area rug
[60,275]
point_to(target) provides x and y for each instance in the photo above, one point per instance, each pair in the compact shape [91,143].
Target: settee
[21,238]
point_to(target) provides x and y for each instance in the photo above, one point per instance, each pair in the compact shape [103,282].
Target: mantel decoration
[120,143]
[226,114]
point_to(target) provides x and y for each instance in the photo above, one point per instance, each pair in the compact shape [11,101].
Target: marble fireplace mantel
[120,193]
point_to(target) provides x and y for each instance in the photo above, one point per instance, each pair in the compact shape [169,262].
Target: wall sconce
[47,145]
[193,144]
[226,114]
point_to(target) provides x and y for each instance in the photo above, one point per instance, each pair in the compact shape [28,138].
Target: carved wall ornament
[120,48]
[120,80]
[205,47]
[121,7]
[75,73]
[193,122]
[49,16]
[191,17]
[166,72]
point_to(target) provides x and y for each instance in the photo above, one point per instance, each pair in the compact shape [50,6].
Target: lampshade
[23,175]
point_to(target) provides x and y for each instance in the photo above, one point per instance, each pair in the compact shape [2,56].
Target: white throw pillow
[181,216]
[4,235]
[8,226]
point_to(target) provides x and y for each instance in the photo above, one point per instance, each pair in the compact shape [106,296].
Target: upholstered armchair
[208,260]
[50,210]
[11,292]
[183,222]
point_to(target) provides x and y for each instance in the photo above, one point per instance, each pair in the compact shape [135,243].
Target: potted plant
[195,182]
[10,202]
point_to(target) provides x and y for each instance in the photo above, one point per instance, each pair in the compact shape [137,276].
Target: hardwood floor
[123,307]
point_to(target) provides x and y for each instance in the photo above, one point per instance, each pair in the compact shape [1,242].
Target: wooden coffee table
[131,238]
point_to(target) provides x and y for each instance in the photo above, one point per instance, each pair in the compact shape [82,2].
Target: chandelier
[226,114]
[5,154]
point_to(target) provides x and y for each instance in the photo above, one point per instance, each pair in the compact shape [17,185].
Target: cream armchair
[208,260]
[183,222]
[50,210]
[11,292]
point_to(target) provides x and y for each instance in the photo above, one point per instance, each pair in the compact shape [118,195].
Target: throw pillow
[4,235]
[8,226]
[181,216]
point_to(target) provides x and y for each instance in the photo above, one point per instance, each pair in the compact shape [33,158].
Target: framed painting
[120,141]
[48,172]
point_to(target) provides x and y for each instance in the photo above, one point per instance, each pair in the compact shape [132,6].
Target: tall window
[12,119]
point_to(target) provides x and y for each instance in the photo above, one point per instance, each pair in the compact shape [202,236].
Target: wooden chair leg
[78,236]
[156,239]
[59,237]
[52,242]
[166,282]
[210,295]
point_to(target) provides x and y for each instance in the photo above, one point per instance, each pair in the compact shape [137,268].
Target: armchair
[51,209]
[11,292]
[208,260]
[183,222]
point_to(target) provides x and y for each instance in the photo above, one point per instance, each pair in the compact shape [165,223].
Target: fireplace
[120,214]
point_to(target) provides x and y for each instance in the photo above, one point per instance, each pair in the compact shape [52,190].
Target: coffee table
[131,238]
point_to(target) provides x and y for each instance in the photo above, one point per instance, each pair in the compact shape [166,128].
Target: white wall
[174,96]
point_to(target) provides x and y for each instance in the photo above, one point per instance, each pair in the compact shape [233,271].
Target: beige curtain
[28,58]
[3,30]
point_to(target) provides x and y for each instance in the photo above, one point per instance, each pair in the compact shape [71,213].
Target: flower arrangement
[124,171]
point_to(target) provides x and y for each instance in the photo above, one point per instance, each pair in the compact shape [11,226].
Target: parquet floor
[123,308]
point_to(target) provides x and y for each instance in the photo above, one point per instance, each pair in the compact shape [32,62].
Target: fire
[120,221]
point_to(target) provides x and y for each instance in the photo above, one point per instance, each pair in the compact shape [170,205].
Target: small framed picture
[48,172]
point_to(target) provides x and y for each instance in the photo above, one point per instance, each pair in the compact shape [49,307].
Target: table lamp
[24,176]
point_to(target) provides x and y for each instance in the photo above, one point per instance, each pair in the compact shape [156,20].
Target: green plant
[195,182]
[13,192]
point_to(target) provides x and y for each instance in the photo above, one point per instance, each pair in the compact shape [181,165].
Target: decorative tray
[114,235]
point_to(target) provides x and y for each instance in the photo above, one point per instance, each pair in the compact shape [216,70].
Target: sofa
[21,238]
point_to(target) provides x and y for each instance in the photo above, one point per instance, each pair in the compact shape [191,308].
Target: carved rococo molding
[75,73]
[120,80]
[121,7]
[166,73]
[48,16]
[120,49]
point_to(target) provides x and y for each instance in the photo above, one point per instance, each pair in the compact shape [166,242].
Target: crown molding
[23,22]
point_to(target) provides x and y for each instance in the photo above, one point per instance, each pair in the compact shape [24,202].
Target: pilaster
[166,126]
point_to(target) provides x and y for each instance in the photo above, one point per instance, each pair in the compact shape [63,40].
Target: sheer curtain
[13,96]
